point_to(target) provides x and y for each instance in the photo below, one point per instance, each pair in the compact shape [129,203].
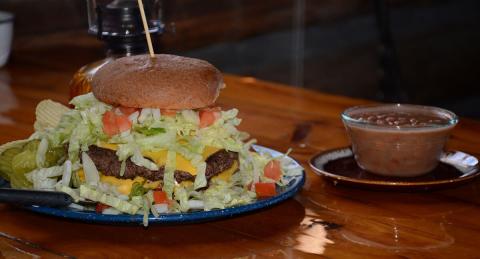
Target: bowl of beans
[399,140]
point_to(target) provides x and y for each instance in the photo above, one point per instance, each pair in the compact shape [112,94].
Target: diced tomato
[123,123]
[264,190]
[213,109]
[109,123]
[208,116]
[127,110]
[160,197]
[114,123]
[100,207]
[273,170]
[168,112]
[217,111]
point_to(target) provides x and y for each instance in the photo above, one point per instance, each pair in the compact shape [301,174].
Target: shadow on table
[240,236]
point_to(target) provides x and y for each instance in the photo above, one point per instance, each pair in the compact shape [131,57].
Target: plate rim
[474,172]
[180,218]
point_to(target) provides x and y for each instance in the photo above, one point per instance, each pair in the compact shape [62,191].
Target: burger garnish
[148,138]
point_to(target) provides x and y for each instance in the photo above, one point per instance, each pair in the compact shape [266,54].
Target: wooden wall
[190,23]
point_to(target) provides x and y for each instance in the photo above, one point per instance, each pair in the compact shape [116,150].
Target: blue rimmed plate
[182,218]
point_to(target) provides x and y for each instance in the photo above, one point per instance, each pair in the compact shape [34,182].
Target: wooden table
[360,223]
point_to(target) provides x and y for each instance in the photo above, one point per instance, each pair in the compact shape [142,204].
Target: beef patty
[107,162]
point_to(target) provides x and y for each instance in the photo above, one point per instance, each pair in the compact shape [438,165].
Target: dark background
[331,46]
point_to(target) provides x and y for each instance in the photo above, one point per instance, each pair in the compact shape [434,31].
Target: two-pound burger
[148,138]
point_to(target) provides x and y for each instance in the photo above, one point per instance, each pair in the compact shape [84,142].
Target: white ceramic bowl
[6,34]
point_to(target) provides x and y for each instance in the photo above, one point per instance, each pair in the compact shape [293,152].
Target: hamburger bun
[165,81]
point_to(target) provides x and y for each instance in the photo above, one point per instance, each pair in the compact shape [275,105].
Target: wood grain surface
[361,223]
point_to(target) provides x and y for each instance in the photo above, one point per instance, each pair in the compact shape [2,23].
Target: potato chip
[48,114]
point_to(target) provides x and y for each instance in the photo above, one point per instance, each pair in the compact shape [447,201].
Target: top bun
[165,81]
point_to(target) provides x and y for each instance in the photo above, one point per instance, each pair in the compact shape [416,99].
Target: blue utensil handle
[30,197]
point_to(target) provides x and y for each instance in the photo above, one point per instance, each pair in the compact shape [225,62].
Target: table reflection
[9,101]
[389,220]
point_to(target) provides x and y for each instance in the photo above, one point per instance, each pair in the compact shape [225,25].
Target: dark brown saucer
[339,166]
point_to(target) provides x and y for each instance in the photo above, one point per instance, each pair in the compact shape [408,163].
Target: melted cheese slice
[160,157]
[124,186]
[225,175]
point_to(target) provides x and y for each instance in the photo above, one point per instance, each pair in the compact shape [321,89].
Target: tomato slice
[127,110]
[168,112]
[208,116]
[100,207]
[123,123]
[273,170]
[114,123]
[264,190]
[109,123]
[160,197]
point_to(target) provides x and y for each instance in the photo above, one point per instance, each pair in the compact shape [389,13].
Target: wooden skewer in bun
[147,30]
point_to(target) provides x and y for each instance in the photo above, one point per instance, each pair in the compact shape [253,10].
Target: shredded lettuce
[92,194]
[223,133]
[74,193]
[181,195]
[67,173]
[200,178]
[146,211]
[190,116]
[42,152]
[123,165]
[152,208]
[191,152]
[139,160]
[134,117]
[223,194]
[132,150]
[169,174]
[156,114]
[61,134]
[87,101]
[290,170]
[92,176]
[161,207]
[45,178]
[145,115]
[196,205]
[137,200]
[111,211]
[158,141]
[79,127]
